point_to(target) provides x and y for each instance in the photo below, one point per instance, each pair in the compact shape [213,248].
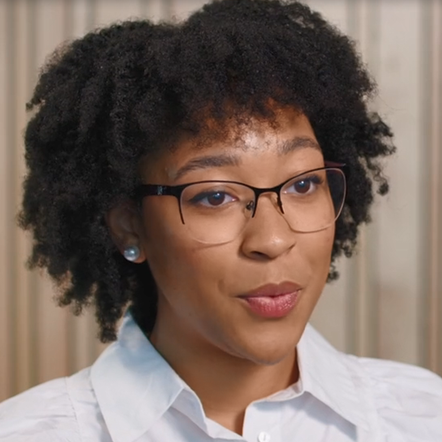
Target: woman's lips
[272,306]
[272,300]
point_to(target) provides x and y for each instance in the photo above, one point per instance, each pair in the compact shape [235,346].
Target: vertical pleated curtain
[388,301]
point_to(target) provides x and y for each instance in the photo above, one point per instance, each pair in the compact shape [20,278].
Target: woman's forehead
[289,133]
[246,132]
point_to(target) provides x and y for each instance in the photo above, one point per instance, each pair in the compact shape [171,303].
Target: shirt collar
[151,386]
[325,374]
[133,384]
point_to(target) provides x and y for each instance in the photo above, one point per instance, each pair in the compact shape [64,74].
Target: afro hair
[107,100]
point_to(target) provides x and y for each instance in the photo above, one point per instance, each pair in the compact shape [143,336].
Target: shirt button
[263,437]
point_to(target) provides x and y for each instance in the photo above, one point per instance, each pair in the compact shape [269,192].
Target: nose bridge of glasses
[271,192]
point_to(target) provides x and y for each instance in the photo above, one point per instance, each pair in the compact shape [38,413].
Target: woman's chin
[264,351]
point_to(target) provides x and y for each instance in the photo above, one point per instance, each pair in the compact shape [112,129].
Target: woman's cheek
[317,249]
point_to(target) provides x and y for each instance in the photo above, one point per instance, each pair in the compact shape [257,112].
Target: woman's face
[201,287]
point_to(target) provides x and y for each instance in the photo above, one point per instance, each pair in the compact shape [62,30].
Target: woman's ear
[125,225]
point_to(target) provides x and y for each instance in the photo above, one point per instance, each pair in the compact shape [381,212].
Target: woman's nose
[268,234]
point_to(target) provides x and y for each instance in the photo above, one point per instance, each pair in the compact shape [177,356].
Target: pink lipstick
[272,300]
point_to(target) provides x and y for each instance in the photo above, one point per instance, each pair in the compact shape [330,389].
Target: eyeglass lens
[217,212]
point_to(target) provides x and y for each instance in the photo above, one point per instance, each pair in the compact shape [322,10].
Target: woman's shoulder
[45,413]
[399,374]
[407,398]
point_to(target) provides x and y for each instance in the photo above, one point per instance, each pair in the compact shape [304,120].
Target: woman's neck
[225,384]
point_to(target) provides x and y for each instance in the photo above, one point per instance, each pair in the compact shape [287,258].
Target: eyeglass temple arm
[333,164]
[154,189]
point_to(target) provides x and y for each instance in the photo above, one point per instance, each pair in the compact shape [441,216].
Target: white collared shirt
[131,394]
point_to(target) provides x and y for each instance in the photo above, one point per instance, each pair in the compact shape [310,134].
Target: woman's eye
[302,186]
[213,199]
[305,186]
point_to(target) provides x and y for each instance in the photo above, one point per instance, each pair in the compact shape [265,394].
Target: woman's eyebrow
[223,160]
[298,143]
[207,162]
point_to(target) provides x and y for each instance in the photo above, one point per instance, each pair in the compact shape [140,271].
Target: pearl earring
[131,253]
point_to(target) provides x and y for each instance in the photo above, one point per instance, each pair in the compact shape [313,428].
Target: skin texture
[205,332]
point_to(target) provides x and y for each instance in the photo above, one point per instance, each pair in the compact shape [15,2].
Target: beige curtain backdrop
[388,301]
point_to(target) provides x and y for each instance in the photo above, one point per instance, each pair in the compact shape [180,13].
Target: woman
[201,179]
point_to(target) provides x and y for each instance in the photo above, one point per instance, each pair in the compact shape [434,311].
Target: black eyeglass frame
[144,190]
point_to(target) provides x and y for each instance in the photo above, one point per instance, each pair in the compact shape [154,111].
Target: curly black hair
[107,100]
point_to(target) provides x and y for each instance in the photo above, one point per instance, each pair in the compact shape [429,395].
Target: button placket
[263,437]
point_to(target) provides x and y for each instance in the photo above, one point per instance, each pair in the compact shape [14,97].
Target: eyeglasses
[216,212]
